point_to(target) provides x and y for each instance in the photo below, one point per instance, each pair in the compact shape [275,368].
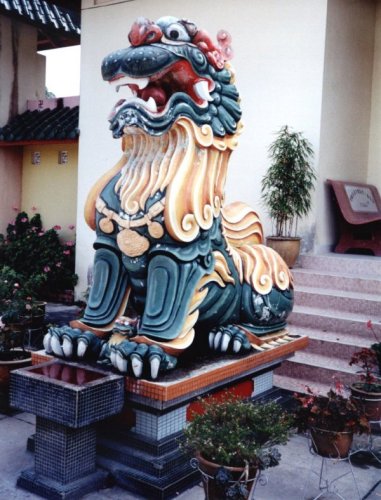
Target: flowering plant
[32,251]
[366,360]
[331,412]
[233,432]
[376,347]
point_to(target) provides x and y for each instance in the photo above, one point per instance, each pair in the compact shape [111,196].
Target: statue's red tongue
[157,93]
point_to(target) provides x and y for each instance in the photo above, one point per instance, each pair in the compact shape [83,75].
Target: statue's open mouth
[154,93]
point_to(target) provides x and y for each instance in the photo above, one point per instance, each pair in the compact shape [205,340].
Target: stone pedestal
[142,450]
[140,446]
[68,400]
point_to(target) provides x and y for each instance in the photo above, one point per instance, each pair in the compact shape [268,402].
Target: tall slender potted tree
[286,190]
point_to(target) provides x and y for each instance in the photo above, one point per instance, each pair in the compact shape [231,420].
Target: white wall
[346,104]
[374,168]
[279,58]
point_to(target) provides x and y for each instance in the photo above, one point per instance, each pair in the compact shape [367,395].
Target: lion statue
[172,262]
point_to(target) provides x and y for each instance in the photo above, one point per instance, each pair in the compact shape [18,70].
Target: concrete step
[331,344]
[335,321]
[353,301]
[355,265]
[317,368]
[337,281]
[299,385]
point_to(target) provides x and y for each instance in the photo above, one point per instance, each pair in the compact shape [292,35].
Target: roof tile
[45,125]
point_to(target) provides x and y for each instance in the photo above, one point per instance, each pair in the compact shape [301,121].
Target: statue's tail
[259,266]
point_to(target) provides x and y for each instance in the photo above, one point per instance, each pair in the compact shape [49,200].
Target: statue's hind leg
[259,315]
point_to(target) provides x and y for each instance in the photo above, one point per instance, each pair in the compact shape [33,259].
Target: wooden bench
[360,216]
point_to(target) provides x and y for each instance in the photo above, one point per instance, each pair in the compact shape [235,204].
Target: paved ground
[288,481]
[285,482]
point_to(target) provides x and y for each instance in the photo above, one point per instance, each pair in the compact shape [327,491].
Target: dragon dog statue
[172,263]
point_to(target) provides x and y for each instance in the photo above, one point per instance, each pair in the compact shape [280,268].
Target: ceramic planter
[287,248]
[331,444]
[10,360]
[213,490]
[370,401]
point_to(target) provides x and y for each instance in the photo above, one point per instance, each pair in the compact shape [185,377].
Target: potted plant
[18,312]
[231,439]
[331,419]
[367,390]
[376,346]
[286,190]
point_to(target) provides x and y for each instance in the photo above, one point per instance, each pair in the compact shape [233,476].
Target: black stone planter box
[68,400]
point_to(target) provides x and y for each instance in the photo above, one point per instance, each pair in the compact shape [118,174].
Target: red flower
[57,227]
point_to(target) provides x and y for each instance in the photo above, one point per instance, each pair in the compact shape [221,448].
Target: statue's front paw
[228,338]
[73,343]
[140,359]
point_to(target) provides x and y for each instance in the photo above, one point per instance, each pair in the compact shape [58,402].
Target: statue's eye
[177,32]
[174,34]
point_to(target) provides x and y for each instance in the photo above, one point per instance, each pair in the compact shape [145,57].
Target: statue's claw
[67,342]
[227,338]
[141,359]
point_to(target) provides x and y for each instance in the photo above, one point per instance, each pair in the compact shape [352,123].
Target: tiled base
[64,454]
[150,487]
[48,488]
[146,459]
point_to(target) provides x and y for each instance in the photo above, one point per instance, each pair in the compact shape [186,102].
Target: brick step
[335,321]
[317,368]
[363,266]
[336,281]
[355,302]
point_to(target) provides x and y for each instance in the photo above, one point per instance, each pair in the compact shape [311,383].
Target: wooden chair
[360,216]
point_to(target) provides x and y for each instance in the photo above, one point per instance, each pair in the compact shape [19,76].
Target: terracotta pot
[330,443]
[214,491]
[287,248]
[370,402]
[7,364]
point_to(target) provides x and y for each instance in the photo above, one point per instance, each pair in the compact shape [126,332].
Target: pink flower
[71,227]
[16,285]
[369,325]
[66,252]
[58,264]
[70,243]
[57,227]
[339,386]
[46,269]
[24,219]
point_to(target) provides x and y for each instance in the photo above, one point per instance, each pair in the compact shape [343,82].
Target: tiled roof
[57,25]
[45,125]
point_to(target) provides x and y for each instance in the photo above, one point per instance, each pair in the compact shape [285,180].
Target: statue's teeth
[141,83]
[151,105]
[202,90]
